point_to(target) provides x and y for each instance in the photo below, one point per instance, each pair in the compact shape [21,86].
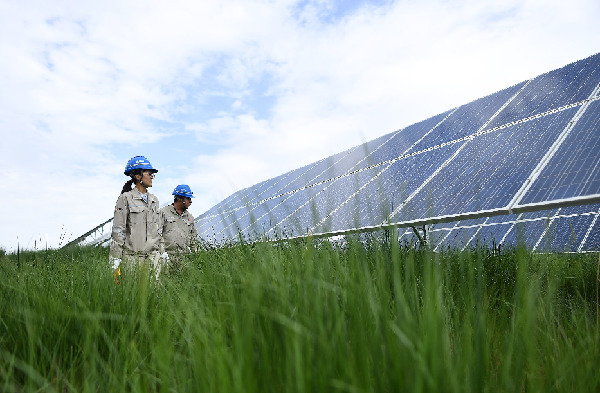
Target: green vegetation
[304,316]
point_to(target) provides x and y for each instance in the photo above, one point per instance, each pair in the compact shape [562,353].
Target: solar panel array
[522,164]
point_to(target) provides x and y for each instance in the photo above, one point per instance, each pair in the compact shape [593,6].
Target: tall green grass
[302,316]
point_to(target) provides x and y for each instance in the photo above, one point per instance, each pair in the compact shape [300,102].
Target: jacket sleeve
[161,228]
[194,243]
[161,222]
[119,228]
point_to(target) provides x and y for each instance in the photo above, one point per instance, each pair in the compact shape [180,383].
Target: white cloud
[249,89]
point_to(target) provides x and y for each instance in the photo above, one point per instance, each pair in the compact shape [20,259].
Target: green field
[303,316]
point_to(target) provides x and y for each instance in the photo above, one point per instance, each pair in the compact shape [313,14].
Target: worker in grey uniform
[135,231]
[178,228]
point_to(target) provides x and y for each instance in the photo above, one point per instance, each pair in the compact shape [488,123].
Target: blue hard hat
[138,162]
[183,190]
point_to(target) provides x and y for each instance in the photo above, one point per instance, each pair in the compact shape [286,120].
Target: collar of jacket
[135,194]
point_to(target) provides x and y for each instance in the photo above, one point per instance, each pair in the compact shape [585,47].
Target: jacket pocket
[170,224]
[137,214]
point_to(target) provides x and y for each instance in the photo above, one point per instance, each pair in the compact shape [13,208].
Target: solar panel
[482,176]
[591,240]
[521,165]
[566,229]
[574,171]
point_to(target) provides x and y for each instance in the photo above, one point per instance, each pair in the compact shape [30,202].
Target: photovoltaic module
[519,165]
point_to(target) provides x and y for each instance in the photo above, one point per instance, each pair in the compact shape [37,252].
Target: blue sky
[223,94]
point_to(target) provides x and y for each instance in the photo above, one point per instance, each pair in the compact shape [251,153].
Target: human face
[147,177]
[187,202]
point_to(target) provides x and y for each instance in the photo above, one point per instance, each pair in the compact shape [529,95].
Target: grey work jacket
[135,226]
[178,230]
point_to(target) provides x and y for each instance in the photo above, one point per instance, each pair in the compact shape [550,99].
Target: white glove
[115,262]
[165,257]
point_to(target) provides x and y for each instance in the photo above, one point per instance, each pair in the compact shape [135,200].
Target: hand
[117,274]
[115,265]
[165,257]
[114,262]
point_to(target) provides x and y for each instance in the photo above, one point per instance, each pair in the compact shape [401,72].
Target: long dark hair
[128,186]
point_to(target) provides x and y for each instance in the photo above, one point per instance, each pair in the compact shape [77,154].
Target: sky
[223,94]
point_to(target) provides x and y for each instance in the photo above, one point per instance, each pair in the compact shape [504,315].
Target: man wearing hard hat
[177,223]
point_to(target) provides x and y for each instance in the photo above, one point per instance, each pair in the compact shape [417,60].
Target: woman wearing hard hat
[177,223]
[135,233]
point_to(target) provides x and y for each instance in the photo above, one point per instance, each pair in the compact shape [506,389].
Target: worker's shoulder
[168,210]
[125,197]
